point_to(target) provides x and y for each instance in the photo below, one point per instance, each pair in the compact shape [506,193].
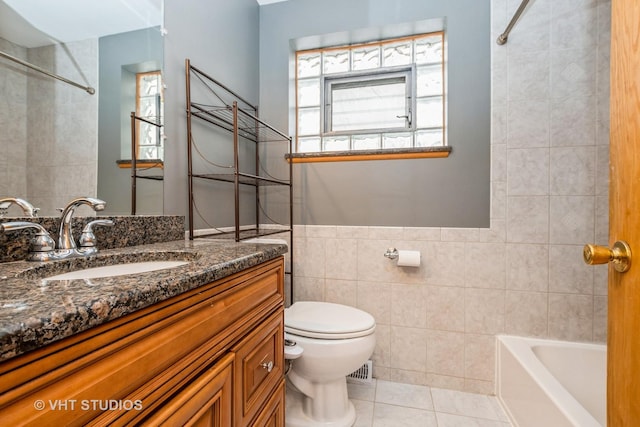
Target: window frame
[424,136]
[159,119]
[361,78]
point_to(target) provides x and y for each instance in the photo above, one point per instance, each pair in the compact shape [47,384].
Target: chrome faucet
[42,245]
[65,235]
[27,208]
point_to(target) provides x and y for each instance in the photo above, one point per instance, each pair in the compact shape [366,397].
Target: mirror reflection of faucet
[27,208]
[43,246]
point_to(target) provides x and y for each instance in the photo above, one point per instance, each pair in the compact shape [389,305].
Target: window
[150,107]
[374,96]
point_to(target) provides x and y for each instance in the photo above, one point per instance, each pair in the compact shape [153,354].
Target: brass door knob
[619,255]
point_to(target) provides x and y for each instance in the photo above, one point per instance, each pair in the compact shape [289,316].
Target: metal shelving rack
[237,116]
[135,170]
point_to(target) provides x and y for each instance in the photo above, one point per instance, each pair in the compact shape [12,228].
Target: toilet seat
[328,321]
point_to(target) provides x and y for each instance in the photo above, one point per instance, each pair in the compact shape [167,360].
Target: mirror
[58,141]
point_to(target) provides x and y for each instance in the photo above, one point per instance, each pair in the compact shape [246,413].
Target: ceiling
[33,23]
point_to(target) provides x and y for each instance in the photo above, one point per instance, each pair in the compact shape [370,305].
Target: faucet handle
[87,238]
[42,245]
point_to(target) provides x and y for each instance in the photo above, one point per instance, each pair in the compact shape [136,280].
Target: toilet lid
[327,320]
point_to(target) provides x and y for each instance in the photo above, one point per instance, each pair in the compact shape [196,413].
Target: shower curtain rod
[502,38]
[87,89]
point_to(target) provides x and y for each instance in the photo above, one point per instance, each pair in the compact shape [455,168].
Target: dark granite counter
[36,311]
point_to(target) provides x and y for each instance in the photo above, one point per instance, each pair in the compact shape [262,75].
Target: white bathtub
[552,383]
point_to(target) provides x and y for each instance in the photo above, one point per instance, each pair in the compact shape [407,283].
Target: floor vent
[364,375]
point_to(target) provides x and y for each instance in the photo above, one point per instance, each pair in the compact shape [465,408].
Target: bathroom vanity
[199,344]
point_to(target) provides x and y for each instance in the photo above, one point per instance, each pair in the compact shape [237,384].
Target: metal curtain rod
[502,38]
[87,89]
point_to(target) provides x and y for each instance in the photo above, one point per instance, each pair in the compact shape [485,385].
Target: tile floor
[389,404]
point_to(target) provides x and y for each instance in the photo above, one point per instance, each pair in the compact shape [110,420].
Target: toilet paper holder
[391,253]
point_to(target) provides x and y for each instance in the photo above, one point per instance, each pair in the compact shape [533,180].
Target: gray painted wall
[120,56]
[451,192]
[221,38]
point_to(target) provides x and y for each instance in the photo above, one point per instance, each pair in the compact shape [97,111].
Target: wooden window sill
[147,164]
[362,155]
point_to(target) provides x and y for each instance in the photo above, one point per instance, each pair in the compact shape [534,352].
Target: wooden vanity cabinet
[212,356]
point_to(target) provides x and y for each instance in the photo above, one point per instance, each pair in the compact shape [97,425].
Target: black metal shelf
[221,107]
[245,234]
[243,178]
[248,126]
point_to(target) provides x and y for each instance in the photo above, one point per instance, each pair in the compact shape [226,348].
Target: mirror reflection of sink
[117,270]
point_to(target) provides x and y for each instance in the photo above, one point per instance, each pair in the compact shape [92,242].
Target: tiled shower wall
[13,123]
[49,129]
[524,275]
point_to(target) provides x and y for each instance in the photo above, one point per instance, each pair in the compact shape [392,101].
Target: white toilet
[332,341]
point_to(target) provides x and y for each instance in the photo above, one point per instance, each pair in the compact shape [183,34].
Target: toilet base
[295,416]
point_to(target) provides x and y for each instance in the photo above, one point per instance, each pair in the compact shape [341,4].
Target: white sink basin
[117,270]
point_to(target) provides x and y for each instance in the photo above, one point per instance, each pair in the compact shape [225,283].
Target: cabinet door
[273,413]
[258,368]
[206,402]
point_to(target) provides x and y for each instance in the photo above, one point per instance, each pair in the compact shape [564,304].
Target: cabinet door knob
[267,365]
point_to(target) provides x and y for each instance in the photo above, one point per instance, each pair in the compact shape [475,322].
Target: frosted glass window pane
[309,64]
[429,138]
[149,108]
[396,54]
[366,58]
[366,142]
[368,107]
[148,153]
[429,80]
[428,50]
[429,112]
[335,61]
[336,143]
[308,93]
[149,84]
[308,145]
[308,121]
[396,140]
[148,134]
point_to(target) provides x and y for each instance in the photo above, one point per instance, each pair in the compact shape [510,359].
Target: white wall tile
[528,123]
[341,259]
[528,267]
[375,299]
[528,76]
[442,263]
[479,356]
[528,219]
[573,73]
[484,311]
[573,219]
[573,120]
[567,272]
[526,313]
[528,172]
[574,24]
[445,353]
[485,265]
[407,305]
[573,171]
[571,317]
[445,308]
[341,291]
[408,348]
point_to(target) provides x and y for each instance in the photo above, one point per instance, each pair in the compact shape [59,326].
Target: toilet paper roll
[408,258]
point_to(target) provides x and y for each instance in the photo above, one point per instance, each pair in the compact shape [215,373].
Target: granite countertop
[35,311]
